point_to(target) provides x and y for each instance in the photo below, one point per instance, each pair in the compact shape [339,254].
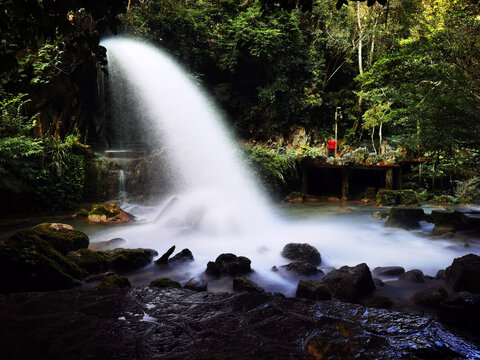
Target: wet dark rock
[107,245]
[313,289]
[378,282]
[163,260]
[300,268]
[350,283]
[129,259]
[90,260]
[445,221]
[302,252]
[164,283]
[430,297]
[405,217]
[380,302]
[243,284]
[114,281]
[98,277]
[464,273]
[228,264]
[109,324]
[182,256]
[414,275]
[388,271]
[33,260]
[440,275]
[196,284]
[462,312]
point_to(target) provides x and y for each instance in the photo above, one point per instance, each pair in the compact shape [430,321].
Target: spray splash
[217,206]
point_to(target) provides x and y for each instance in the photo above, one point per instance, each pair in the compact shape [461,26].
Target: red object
[331,144]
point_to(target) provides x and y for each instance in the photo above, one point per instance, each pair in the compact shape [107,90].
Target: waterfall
[122,193]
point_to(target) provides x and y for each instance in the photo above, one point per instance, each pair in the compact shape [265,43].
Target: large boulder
[108,213]
[445,221]
[405,217]
[300,269]
[229,264]
[415,276]
[430,297]
[464,273]
[350,283]
[93,262]
[61,237]
[33,260]
[302,252]
[129,259]
[313,289]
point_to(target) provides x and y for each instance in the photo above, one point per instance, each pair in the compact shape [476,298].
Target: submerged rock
[196,284]
[300,268]
[302,252]
[109,324]
[414,275]
[243,284]
[430,297]
[313,289]
[108,213]
[182,256]
[228,264]
[405,218]
[114,281]
[464,273]
[388,271]
[350,283]
[163,260]
[165,283]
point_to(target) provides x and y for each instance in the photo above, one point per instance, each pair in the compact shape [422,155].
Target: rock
[302,252]
[464,273]
[388,271]
[430,297]
[129,259]
[313,289]
[300,268]
[163,260]
[440,275]
[196,284]
[462,312]
[182,256]
[33,260]
[405,218]
[109,324]
[380,302]
[108,213]
[61,237]
[415,276]
[229,264]
[107,245]
[397,197]
[89,260]
[379,215]
[445,221]
[114,281]
[164,283]
[98,277]
[378,282]
[350,283]
[243,284]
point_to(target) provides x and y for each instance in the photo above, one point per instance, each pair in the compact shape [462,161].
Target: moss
[82,213]
[165,283]
[115,281]
[397,197]
[109,210]
[90,260]
[129,259]
[61,237]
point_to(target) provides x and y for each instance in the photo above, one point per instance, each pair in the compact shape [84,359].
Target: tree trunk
[360,65]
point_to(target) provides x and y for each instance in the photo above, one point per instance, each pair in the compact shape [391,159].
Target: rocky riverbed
[148,323]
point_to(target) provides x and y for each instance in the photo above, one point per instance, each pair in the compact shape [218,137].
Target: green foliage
[13,122]
[275,168]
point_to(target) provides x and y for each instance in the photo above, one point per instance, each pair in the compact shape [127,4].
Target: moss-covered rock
[165,283]
[90,260]
[129,259]
[61,237]
[30,261]
[397,197]
[108,213]
[115,281]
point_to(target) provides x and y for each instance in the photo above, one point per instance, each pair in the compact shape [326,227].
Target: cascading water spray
[216,205]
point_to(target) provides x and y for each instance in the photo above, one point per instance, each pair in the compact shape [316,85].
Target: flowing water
[216,206]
